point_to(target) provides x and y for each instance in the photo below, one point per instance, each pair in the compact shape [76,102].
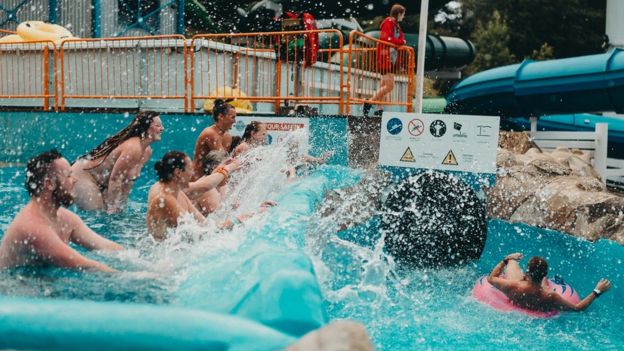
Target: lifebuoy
[40,31]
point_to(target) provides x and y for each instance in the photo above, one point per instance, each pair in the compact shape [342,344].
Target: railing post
[600,154]
[533,126]
[46,77]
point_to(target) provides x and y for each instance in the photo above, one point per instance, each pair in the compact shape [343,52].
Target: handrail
[269,51]
[142,56]
[33,60]
[268,67]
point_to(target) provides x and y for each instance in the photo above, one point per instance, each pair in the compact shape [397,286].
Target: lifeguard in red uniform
[387,56]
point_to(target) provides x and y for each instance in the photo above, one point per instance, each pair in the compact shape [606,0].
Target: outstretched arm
[565,305]
[87,238]
[52,249]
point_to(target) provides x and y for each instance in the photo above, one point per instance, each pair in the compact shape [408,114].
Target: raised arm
[50,248]
[87,238]
[126,168]
[562,304]
[494,277]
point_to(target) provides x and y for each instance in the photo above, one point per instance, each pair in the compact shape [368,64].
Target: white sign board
[444,142]
[278,128]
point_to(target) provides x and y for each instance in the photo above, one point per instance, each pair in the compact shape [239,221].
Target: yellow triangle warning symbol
[450,159]
[408,156]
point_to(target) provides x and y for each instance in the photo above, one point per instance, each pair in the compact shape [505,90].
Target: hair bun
[158,166]
[219,103]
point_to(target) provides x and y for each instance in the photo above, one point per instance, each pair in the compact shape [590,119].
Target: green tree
[545,52]
[492,43]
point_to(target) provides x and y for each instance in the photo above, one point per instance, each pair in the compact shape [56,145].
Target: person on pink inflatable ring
[527,290]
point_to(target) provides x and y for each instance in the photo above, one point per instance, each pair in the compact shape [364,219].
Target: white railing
[594,143]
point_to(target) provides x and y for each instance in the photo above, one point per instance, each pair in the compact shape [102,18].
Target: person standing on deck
[387,56]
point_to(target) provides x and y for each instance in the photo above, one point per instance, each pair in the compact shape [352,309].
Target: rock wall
[557,190]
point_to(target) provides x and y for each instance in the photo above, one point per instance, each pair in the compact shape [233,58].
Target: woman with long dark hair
[105,175]
[255,134]
[387,56]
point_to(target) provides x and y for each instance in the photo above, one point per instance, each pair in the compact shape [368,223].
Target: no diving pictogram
[415,127]
[450,159]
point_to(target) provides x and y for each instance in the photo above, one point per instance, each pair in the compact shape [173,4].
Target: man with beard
[41,231]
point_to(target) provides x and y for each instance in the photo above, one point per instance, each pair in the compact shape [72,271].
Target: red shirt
[390,32]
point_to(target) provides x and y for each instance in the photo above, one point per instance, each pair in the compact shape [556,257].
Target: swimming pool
[402,309]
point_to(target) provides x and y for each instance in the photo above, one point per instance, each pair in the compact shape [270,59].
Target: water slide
[560,92]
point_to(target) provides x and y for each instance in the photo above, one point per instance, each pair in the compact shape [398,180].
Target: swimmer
[254,135]
[107,173]
[167,200]
[41,231]
[215,137]
[526,290]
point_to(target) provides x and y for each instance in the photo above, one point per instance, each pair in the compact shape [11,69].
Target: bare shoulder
[131,146]
[68,216]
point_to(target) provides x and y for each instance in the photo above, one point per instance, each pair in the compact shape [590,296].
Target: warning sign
[450,159]
[408,156]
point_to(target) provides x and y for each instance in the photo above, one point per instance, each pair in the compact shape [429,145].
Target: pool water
[403,309]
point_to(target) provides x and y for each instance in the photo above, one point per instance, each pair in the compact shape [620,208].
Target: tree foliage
[492,40]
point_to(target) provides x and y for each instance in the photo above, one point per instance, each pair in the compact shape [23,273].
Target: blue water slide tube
[44,324]
[534,88]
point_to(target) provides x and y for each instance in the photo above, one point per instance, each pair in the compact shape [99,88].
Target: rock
[515,142]
[559,190]
[434,219]
[337,336]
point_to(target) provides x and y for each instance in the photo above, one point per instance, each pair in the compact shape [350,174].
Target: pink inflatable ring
[488,294]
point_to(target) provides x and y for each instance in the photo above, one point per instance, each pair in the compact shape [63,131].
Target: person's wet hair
[37,169]
[213,159]
[221,108]
[171,161]
[236,140]
[252,127]
[137,128]
[537,269]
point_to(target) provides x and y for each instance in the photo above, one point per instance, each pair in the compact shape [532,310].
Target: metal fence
[170,72]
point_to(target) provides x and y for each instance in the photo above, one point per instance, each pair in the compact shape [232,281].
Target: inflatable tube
[50,324]
[11,38]
[241,106]
[488,294]
[40,31]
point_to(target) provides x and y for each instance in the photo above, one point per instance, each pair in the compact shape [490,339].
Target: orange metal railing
[271,68]
[255,62]
[124,68]
[25,71]
[366,69]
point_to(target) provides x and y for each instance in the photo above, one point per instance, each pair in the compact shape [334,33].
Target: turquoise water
[402,309]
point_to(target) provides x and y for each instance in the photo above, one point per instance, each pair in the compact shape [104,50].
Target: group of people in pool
[102,180]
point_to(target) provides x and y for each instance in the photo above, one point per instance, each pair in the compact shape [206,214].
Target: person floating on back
[387,56]
[41,231]
[107,173]
[527,290]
